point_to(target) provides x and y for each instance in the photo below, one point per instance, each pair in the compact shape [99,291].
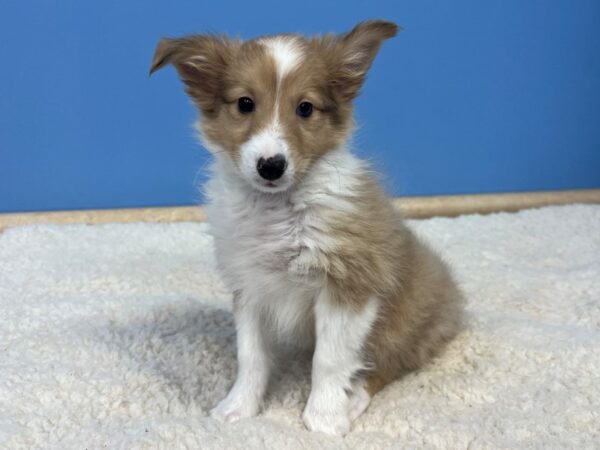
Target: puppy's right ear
[201,61]
[357,50]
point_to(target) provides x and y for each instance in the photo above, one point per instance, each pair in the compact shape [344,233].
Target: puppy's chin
[271,187]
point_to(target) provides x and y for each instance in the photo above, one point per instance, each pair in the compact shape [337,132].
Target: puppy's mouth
[271,187]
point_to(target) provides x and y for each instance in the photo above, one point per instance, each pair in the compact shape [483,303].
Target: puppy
[312,250]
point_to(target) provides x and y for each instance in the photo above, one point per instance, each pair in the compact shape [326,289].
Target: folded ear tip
[163,51]
[386,28]
[389,29]
[155,66]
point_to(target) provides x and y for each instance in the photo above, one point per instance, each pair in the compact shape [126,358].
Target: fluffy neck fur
[253,229]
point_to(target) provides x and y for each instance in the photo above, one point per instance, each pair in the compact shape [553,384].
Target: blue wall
[472,97]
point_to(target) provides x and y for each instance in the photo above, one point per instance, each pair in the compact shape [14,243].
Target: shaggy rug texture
[121,336]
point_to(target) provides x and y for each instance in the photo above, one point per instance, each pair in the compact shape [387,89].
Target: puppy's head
[275,105]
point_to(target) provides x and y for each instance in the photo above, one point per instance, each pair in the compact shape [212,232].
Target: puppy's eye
[304,109]
[245,105]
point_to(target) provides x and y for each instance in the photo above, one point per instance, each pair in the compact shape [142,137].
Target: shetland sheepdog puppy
[305,238]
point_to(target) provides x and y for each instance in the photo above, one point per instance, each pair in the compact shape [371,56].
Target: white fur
[341,333]
[266,144]
[358,402]
[259,235]
[267,246]
[254,366]
[286,52]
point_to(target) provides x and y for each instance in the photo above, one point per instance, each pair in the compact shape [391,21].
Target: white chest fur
[257,235]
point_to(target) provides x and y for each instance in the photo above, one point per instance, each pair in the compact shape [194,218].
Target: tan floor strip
[412,207]
[455,205]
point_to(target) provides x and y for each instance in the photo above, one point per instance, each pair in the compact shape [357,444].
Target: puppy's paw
[358,402]
[235,407]
[326,419]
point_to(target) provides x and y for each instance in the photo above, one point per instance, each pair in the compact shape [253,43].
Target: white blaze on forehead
[268,142]
[286,52]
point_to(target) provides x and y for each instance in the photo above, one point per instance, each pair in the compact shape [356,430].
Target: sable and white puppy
[306,240]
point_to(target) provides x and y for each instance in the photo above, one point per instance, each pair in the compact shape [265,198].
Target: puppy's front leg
[341,332]
[254,364]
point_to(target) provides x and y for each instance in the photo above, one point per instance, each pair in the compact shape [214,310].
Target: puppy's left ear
[357,50]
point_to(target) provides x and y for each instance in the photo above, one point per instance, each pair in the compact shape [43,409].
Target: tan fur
[377,255]
[374,255]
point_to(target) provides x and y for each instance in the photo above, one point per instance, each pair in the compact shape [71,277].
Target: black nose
[271,168]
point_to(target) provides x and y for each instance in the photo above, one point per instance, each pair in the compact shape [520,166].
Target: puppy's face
[275,105]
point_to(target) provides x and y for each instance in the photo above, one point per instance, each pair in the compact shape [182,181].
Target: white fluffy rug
[120,336]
